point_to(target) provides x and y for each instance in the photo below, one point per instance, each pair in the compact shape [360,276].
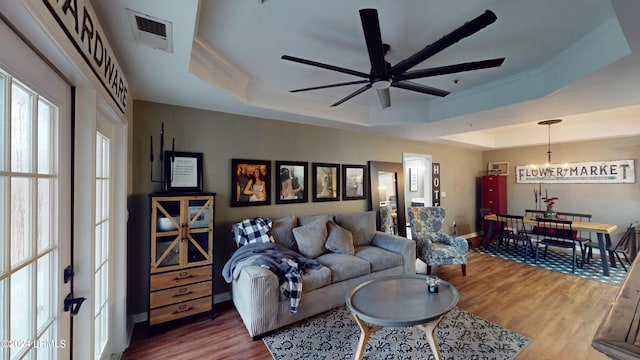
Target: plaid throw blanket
[288,265]
[250,231]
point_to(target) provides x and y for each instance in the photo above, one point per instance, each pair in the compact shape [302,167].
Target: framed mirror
[386,187]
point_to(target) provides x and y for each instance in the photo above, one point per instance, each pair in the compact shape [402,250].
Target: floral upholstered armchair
[433,246]
[386,219]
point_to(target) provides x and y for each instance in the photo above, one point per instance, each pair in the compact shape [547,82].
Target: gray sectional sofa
[348,251]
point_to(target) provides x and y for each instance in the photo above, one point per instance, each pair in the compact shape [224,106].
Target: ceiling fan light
[381,84]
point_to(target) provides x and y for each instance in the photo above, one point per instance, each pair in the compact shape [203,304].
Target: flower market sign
[590,172]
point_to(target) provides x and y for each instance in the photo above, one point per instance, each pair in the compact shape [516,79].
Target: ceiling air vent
[150,31]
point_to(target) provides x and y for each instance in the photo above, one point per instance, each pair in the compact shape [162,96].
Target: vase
[549,213]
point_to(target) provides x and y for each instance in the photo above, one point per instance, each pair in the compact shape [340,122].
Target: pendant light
[549,123]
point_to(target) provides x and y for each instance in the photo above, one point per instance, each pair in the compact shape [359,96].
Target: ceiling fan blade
[468,29]
[330,86]
[325,66]
[353,94]
[407,85]
[371,29]
[450,69]
[385,99]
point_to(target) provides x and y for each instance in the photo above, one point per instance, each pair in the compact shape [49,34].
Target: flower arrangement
[550,201]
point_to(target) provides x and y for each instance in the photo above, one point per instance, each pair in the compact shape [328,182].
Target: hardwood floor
[559,313]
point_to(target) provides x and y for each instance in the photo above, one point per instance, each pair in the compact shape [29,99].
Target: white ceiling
[569,59]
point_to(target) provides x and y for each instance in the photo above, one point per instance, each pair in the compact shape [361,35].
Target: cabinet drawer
[180,310]
[182,293]
[180,278]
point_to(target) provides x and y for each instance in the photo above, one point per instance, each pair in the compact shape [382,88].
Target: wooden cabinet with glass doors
[181,272]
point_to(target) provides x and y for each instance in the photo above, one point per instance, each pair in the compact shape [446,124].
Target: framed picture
[183,171]
[291,179]
[326,180]
[354,182]
[498,168]
[413,180]
[250,184]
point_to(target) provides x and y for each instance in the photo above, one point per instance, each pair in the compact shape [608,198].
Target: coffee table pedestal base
[429,329]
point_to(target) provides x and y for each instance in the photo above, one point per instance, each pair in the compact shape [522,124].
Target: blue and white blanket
[288,265]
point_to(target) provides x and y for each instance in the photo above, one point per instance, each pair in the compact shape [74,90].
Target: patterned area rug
[559,261]
[334,335]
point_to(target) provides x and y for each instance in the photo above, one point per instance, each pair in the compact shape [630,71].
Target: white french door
[34,220]
[99,330]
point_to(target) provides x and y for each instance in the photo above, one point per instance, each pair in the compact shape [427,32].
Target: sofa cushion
[311,238]
[316,278]
[339,239]
[304,220]
[282,231]
[379,259]
[362,226]
[344,267]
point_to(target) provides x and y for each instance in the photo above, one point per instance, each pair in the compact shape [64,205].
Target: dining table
[602,231]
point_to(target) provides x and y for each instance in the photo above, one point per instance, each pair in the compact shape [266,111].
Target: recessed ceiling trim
[209,65]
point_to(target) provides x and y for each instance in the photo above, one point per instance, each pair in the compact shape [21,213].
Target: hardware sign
[79,22]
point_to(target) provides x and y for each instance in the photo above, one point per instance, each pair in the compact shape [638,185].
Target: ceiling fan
[383,75]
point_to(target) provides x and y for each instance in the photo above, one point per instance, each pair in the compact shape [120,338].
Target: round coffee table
[399,301]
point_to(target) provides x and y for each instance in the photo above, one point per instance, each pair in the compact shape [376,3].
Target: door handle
[73,304]
[70,303]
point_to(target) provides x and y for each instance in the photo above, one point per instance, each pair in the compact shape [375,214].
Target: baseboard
[222,297]
[217,298]
[139,318]
[472,235]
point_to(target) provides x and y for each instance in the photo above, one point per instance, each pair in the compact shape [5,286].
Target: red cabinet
[494,193]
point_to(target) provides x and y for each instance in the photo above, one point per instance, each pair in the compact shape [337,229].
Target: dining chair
[513,230]
[557,233]
[583,235]
[621,247]
[534,213]
[433,245]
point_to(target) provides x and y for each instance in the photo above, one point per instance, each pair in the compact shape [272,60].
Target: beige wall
[222,136]
[608,203]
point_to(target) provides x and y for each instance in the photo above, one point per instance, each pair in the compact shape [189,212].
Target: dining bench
[618,336]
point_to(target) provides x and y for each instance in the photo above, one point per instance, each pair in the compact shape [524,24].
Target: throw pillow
[252,231]
[339,240]
[362,225]
[304,220]
[311,238]
[281,230]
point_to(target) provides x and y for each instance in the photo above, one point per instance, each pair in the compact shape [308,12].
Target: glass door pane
[21,129]
[101,245]
[168,235]
[21,219]
[21,300]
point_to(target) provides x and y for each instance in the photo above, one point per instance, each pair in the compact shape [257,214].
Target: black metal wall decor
[162,179]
